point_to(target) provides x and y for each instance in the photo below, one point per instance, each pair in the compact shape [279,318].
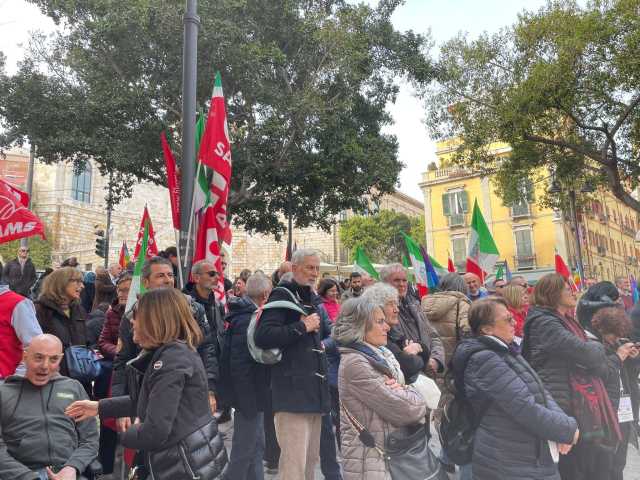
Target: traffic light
[101,244]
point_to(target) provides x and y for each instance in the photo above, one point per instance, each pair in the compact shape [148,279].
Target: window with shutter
[459,248]
[446,204]
[524,249]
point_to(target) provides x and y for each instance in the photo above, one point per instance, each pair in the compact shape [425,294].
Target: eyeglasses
[24,250]
[212,273]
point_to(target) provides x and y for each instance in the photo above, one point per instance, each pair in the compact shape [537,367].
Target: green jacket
[35,432]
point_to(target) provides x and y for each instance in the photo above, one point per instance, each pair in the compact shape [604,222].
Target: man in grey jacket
[37,440]
[413,325]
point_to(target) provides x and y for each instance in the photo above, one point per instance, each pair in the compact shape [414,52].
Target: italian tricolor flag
[362,264]
[419,267]
[483,253]
[137,288]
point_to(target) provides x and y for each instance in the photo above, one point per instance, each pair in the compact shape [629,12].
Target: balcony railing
[457,220]
[524,262]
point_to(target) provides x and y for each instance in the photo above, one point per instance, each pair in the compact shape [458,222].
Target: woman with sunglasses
[174,426]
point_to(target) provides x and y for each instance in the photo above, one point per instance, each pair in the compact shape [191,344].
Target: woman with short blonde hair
[57,283]
[514,296]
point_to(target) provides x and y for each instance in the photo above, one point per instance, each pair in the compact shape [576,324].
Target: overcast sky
[445,18]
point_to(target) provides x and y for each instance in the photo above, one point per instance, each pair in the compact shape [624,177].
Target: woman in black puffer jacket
[169,394]
[519,420]
[558,349]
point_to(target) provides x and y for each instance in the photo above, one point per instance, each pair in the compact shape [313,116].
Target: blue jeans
[465,472]
[247,448]
[328,462]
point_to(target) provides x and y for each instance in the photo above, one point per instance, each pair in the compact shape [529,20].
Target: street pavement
[632,471]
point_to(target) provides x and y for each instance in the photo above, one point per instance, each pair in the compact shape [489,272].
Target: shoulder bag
[406,455]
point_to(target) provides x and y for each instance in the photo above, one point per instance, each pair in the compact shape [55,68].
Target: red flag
[563,270]
[16,220]
[450,266]
[152,247]
[215,153]
[208,248]
[172,181]
[22,197]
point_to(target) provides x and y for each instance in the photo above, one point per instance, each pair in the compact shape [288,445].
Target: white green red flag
[483,253]
[362,264]
[136,287]
[450,265]
[419,267]
[215,153]
[151,248]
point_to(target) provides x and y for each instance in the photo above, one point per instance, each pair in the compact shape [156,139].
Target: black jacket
[519,414]
[19,279]
[411,365]
[169,394]
[213,310]
[71,330]
[208,351]
[553,351]
[244,383]
[299,381]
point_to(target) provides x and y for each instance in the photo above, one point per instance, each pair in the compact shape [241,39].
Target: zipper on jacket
[46,426]
[153,477]
[183,454]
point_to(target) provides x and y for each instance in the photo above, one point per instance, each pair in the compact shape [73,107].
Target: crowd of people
[312,369]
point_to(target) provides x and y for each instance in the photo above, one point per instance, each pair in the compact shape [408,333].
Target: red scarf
[591,405]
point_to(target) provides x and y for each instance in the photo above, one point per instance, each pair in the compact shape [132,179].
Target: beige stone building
[73,204]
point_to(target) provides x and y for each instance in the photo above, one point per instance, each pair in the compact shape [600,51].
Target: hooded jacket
[519,414]
[299,382]
[381,409]
[35,432]
[446,311]
[553,351]
[243,381]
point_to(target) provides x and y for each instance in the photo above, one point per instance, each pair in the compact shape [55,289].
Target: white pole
[180,276]
[193,205]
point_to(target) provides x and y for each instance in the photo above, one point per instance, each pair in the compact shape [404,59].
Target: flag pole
[189,82]
[191,215]
[180,274]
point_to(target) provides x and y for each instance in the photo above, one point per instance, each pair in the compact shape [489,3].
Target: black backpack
[459,422]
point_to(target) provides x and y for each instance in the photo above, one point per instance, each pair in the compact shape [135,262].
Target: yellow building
[526,234]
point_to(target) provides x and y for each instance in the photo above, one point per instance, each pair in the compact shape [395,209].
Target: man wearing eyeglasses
[19,273]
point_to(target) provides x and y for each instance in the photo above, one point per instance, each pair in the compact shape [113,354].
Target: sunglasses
[212,273]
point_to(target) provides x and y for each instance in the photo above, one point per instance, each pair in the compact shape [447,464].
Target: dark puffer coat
[511,441]
[243,381]
[169,394]
[299,381]
[553,351]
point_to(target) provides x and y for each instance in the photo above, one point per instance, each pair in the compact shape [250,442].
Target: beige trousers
[299,439]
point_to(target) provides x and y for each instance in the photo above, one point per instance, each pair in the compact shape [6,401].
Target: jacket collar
[374,358]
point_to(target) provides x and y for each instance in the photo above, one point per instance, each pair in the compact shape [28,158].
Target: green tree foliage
[380,234]
[561,86]
[39,251]
[306,84]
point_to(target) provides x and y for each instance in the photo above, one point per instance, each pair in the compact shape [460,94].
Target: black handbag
[407,455]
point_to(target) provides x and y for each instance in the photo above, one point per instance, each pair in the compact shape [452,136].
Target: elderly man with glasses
[20,273]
